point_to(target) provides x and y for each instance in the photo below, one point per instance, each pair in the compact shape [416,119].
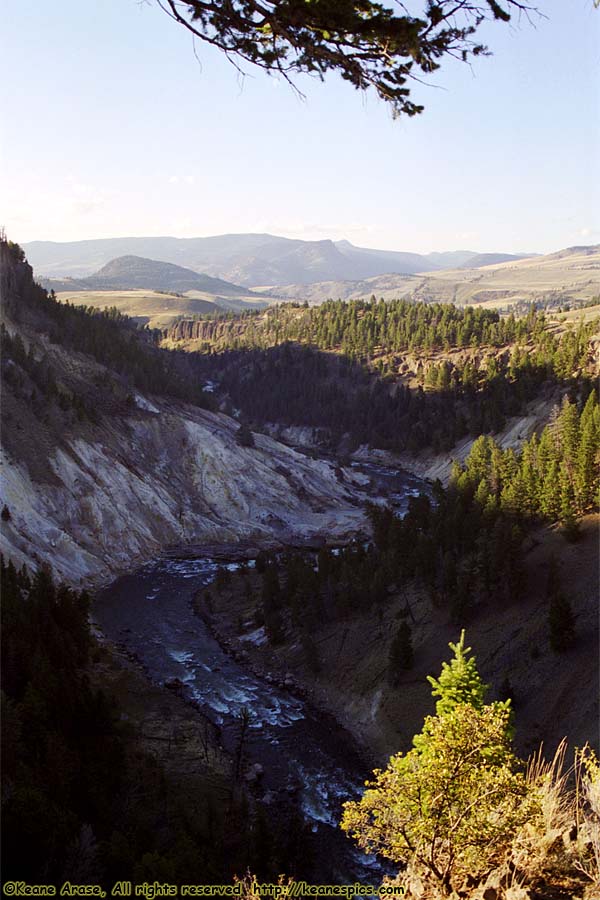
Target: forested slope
[509,550]
[398,376]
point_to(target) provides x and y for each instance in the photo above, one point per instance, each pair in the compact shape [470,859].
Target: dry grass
[555,855]
[587,793]
[537,845]
[158,310]
[561,840]
[567,276]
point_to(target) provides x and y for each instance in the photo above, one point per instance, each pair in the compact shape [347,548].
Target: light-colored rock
[517,893]
[169,478]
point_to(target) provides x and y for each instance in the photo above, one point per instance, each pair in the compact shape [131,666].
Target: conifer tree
[451,805]
[244,436]
[459,680]
[529,476]
[568,430]
[401,652]
[561,623]
[567,504]
[587,467]
[550,493]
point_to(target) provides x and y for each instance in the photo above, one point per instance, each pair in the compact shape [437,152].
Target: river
[305,752]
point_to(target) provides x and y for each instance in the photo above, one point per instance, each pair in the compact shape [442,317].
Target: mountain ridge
[130,272]
[565,276]
[248,259]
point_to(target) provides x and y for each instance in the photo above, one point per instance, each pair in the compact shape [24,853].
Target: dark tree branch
[367,43]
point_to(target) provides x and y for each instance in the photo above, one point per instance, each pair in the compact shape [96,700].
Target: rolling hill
[247,259]
[153,292]
[570,275]
[134,272]
[153,308]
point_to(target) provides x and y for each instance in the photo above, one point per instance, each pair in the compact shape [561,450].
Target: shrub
[453,802]
[561,623]
[244,436]
[401,653]
[459,809]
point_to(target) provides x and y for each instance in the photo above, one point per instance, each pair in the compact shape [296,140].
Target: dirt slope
[554,694]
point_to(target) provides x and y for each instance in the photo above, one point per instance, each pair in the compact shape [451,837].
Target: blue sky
[111,126]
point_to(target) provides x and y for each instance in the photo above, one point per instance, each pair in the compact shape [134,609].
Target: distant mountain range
[134,272]
[498,279]
[570,275]
[250,260]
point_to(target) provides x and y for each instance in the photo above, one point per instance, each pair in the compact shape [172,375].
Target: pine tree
[401,653]
[478,461]
[463,597]
[451,805]
[244,436]
[549,498]
[561,623]
[482,494]
[587,467]
[459,681]
[568,430]
[496,468]
[567,504]
[529,476]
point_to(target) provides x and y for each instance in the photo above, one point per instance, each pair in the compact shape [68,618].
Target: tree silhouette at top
[369,44]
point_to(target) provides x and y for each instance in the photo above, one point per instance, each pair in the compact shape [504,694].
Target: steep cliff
[98,475]
[169,477]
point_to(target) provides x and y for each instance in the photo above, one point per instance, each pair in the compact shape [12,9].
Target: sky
[113,123]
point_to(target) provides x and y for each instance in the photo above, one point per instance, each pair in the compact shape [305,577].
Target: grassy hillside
[158,309]
[154,293]
[569,276]
[138,272]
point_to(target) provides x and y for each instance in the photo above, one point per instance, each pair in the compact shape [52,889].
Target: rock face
[97,477]
[163,478]
[432,466]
